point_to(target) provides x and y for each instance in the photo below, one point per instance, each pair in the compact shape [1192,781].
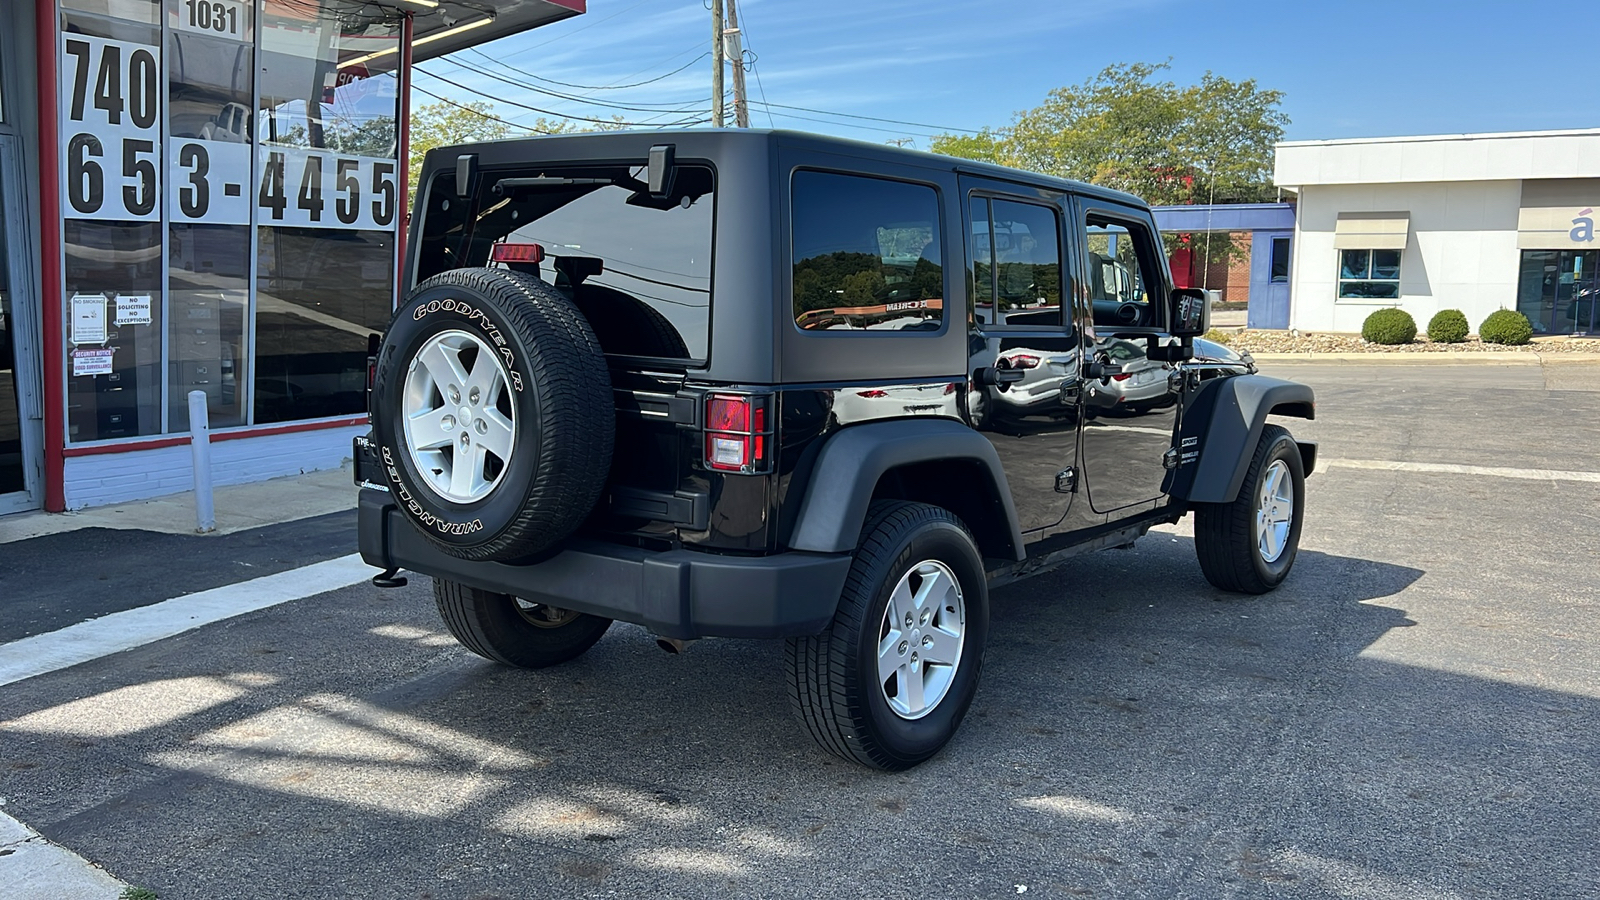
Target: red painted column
[404,126]
[46,23]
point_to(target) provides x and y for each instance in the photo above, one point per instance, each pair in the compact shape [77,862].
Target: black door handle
[990,376]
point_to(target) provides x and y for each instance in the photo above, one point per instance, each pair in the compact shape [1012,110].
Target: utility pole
[716,63]
[741,104]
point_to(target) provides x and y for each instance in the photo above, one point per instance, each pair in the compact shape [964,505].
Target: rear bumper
[675,593]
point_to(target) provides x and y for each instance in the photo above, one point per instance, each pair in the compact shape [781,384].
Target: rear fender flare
[852,462]
[1221,425]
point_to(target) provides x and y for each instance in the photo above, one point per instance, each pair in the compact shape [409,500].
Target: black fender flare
[852,461]
[1221,424]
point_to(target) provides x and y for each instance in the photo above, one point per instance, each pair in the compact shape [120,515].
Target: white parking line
[1454,469]
[131,628]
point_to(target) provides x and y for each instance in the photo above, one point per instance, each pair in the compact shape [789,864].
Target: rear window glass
[866,254]
[639,267]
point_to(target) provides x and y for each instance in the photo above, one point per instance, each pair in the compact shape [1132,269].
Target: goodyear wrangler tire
[492,411]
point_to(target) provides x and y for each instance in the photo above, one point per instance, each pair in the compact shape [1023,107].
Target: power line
[593,87]
[479,112]
[541,111]
[789,115]
[826,112]
[648,107]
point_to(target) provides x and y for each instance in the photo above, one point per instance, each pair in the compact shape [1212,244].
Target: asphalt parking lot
[1413,715]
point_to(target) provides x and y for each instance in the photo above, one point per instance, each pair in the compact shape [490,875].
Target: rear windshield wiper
[504,185]
[545,181]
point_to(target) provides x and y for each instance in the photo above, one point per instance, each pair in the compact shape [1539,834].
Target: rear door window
[867,254]
[1016,264]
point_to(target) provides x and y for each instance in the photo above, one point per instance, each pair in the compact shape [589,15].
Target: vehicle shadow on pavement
[1137,733]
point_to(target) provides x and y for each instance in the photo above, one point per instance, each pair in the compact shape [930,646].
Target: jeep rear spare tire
[492,410]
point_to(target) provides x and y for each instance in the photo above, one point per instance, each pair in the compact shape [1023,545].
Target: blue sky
[1348,69]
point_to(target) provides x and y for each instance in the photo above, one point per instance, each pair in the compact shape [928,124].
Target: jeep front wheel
[890,680]
[1249,545]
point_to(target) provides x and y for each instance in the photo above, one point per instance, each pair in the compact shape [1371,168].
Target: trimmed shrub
[1448,326]
[1506,326]
[1218,336]
[1389,326]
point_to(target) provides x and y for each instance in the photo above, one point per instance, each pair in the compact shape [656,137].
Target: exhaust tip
[671,645]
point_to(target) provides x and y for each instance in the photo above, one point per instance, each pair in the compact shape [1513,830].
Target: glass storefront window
[1369,274]
[110,101]
[328,195]
[1559,291]
[231,189]
[113,323]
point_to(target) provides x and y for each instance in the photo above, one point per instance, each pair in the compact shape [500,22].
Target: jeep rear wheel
[1249,545]
[890,680]
[514,631]
[492,411]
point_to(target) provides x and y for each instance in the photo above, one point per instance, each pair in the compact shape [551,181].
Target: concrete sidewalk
[238,507]
[32,868]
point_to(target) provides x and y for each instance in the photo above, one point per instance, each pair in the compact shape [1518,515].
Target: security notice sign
[111,129]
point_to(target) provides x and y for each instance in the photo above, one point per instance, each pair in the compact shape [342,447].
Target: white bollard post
[200,446]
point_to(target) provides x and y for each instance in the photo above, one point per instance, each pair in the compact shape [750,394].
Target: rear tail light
[1122,376]
[517,253]
[873,394]
[950,388]
[737,433]
[1024,361]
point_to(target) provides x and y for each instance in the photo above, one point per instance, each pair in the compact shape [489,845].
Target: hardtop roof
[810,141]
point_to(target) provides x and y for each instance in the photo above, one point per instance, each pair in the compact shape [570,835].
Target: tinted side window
[866,254]
[1016,264]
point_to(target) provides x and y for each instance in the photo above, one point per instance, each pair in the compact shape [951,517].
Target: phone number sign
[111,125]
[115,168]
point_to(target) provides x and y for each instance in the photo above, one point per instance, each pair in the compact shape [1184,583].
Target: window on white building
[1369,274]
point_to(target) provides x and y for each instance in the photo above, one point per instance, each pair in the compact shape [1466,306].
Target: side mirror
[1188,313]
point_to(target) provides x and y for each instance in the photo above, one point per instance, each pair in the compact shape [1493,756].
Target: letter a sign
[1583,228]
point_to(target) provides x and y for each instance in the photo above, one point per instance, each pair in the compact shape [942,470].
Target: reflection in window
[1280,260]
[208,295]
[1120,275]
[319,293]
[11,472]
[328,77]
[1016,263]
[113,326]
[866,254]
[146,11]
[1369,274]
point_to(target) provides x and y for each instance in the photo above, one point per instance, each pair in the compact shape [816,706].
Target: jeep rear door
[1023,344]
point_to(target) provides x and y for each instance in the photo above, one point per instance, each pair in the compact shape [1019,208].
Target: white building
[1475,222]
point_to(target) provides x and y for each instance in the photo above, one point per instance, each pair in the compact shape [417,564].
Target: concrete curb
[32,868]
[1491,357]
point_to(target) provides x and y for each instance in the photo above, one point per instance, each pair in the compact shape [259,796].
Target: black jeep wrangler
[769,384]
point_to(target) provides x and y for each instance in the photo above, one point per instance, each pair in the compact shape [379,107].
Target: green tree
[1127,129]
[435,125]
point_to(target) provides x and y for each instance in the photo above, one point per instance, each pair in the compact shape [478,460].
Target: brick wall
[1233,279]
